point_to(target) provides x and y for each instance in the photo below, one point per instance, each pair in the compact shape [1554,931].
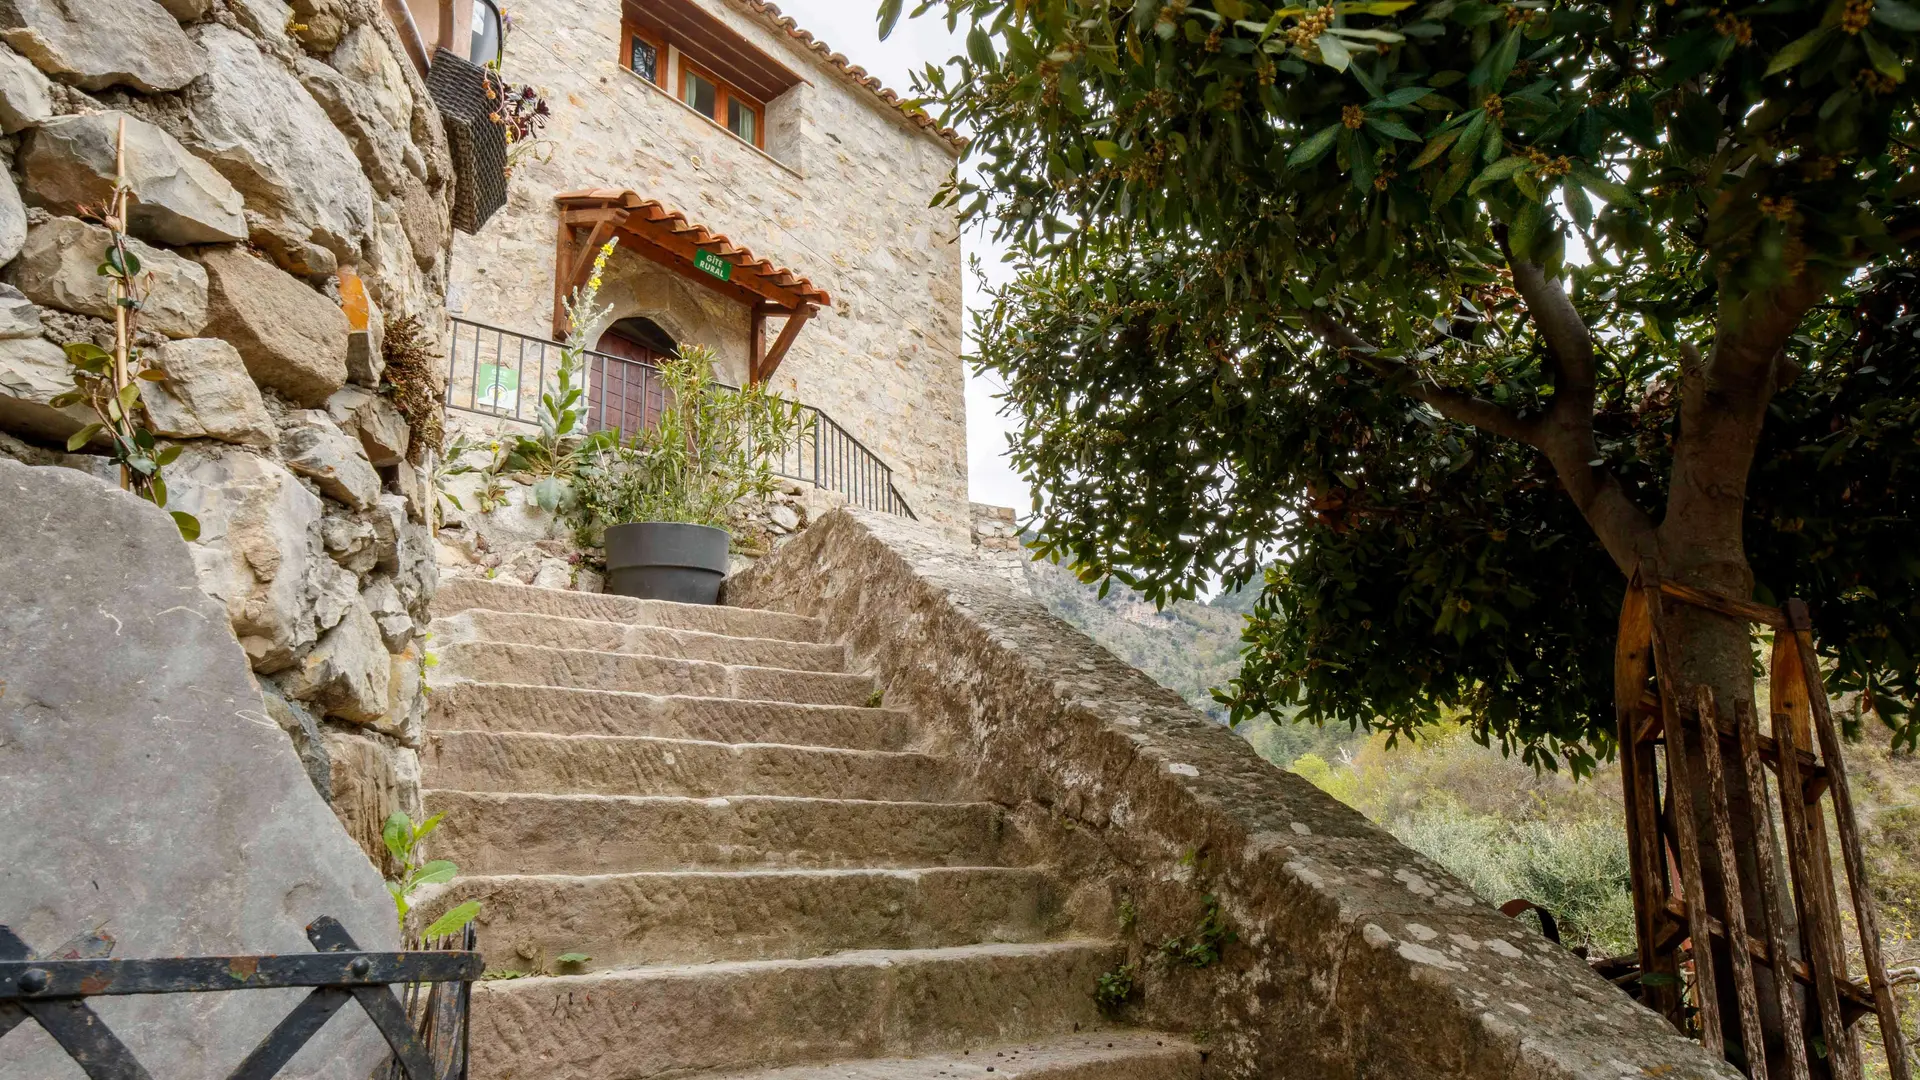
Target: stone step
[1109,1055]
[728,1017]
[609,834]
[580,669]
[691,917]
[460,594]
[494,706]
[563,633]
[627,765]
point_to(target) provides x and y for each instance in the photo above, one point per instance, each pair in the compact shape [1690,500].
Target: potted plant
[662,502]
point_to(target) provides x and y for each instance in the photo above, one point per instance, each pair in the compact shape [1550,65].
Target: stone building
[771,201]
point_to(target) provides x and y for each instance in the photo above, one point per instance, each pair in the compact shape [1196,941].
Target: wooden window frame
[724,94]
[630,32]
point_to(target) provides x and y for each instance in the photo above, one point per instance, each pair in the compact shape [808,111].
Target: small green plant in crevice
[569,960]
[876,699]
[1209,939]
[1129,915]
[403,835]
[1115,988]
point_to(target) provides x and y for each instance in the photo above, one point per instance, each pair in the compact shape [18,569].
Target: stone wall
[840,197]
[1295,937]
[291,178]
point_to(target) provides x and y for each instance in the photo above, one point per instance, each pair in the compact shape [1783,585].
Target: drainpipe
[402,19]
[446,27]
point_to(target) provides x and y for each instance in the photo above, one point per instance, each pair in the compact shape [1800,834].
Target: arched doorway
[623,384]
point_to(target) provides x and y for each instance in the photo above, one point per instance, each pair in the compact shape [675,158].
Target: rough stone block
[374,420]
[146,790]
[19,318]
[319,450]
[352,543]
[382,599]
[254,121]
[13,220]
[207,394]
[59,266]
[34,371]
[26,96]
[373,777]
[292,338]
[102,43]
[259,547]
[70,163]
[348,674]
[187,10]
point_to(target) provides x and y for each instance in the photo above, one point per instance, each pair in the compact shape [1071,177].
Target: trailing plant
[561,450]
[712,449]
[109,383]
[523,114]
[412,367]
[1209,939]
[402,836]
[1114,988]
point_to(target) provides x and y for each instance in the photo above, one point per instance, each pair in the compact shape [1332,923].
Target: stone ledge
[1355,956]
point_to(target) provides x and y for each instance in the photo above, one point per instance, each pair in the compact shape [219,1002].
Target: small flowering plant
[557,454]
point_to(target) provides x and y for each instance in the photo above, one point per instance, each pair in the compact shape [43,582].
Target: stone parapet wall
[1334,952]
[840,196]
[291,180]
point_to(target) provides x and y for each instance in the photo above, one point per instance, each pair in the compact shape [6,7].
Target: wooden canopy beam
[771,363]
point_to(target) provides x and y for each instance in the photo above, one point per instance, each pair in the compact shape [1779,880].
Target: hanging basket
[468,98]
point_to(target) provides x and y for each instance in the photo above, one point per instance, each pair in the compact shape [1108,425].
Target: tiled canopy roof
[667,227]
[854,72]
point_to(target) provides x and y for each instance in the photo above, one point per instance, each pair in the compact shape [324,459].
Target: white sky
[849,27]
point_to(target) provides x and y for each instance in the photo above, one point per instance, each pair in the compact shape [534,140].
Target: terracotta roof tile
[661,215]
[854,72]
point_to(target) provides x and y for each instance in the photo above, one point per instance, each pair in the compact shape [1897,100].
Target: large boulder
[254,121]
[26,96]
[382,431]
[34,371]
[179,199]
[293,338]
[102,43]
[207,394]
[317,449]
[59,268]
[147,792]
[259,551]
[13,221]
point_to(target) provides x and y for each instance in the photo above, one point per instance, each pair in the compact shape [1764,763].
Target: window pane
[485,47]
[646,60]
[741,120]
[701,94]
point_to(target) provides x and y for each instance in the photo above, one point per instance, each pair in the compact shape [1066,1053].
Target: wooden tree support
[1680,824]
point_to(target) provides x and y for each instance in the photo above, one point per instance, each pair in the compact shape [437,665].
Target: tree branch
[1568,340]
[1460,405]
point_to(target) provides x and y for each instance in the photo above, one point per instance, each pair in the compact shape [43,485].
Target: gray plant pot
[666,560]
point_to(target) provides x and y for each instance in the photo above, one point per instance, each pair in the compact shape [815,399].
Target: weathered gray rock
[264,132]
[374,420]
[19,318]
[373,776]
[207,394]
[147,791]
[352,543]
[26,96]
[321,23]
[70,163]
[292,338]
[102,43]
[382,599]
[58,268]
[317,449]
[187,10]
[380,145]
[416,572]
[406,716]
[335,590]
[349,674]
[266,19]
[34,371]
[388,517]
[13,221]
[259,547]
[303,729]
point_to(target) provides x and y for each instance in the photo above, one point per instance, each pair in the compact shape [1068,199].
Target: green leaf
[397,834]
[425,828]
[1898,14]
[1400,98]
[1435,147]
[1393,129]
[1314,148]
[434,873]
[572,958]
[889,17]
[168,456]
[84,436]
[980,47]
[1883,59]
[1333,52]
[1106,149]
[1387,36]
[188,525]
[1499,170]
[1797,51]
[453,921]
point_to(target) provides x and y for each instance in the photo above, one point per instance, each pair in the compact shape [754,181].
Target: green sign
[713,264]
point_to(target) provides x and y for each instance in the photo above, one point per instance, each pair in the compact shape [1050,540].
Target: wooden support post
[756,345]
[1639,780]
[1773,918]
[784,342]
[1753,1039]
[564,250]
[1865,910]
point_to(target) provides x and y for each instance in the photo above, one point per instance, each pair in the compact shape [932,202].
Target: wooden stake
[1865,910]
[1773,920]
[121,336]
[1751,1034]
[1639,781]
[1680,808]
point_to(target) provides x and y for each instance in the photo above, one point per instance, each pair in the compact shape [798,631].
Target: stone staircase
[770,879]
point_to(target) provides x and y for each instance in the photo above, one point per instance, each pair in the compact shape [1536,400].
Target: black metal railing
[496,372]
[428,1035]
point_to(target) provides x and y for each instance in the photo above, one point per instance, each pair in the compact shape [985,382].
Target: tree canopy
[1452,314]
